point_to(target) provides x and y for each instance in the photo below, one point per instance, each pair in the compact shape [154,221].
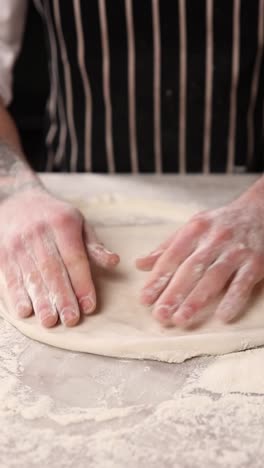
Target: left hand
[214,249]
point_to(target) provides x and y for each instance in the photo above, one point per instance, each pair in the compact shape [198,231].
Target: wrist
[15,174]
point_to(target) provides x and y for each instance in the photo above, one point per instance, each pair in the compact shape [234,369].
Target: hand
[215,249]
[44,266]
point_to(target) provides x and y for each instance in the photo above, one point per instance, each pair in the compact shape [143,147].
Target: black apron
[154,86]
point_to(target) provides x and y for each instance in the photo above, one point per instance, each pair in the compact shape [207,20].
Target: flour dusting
[195,423]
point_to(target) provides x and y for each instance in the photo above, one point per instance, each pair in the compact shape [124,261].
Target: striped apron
[170,86]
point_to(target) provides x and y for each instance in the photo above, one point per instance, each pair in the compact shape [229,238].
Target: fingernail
[47,318]
[164,312]
[87,304]
[155,253]
[145,300]
[108,252]
[113,259]
[147,297]
[98,249]
[184,314]
[69,316]
[23,309]
[225,314]
[147,293]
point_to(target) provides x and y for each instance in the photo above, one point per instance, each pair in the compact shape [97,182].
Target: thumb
[96,249]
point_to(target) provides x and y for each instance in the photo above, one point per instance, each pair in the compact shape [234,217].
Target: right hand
[44,265]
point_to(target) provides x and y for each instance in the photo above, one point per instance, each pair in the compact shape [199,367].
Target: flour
[174,425]
[18,400]
[204,413]
[238,372]
[37,428]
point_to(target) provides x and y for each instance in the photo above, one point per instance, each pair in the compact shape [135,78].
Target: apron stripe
[157,85]
[183,84]
[106,88]
[233,90]
[60,151]
[86,85]
[208,86]
[255,83]
[68,88]
[52,101]
[131,85]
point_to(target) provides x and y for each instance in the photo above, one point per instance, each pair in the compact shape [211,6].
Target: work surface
[65,409]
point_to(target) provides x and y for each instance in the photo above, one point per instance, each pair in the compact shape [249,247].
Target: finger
[56,278]
[182,283]
[13,287]
[190,272]
[239,291]
[147,262]
[44,310]
[165,267]
[210,285]
[96,249]
[72,251]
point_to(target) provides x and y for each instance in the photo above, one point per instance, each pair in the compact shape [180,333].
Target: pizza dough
[124,328]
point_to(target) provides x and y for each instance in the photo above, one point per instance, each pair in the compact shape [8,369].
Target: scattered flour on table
[238,372]
[182,431]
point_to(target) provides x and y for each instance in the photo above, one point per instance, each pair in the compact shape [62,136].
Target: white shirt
[12,22]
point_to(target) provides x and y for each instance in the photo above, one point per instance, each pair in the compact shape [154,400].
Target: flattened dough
[122,327]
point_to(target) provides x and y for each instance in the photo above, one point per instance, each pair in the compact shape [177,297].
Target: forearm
[15,172]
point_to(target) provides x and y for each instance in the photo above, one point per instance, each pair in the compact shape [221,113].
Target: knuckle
[201,215]
[222,234]
[36,229]
[33,278]
[257,263]
[249,274]
[42,304]
[16,243]
[77,260]
[239,249]
[199,257]
[50,268]
[68,217]
[172,250]
[236,252]
[240,286]
[12,281]
[200,221]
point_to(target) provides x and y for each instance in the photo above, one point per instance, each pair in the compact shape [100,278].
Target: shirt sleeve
[12,22]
